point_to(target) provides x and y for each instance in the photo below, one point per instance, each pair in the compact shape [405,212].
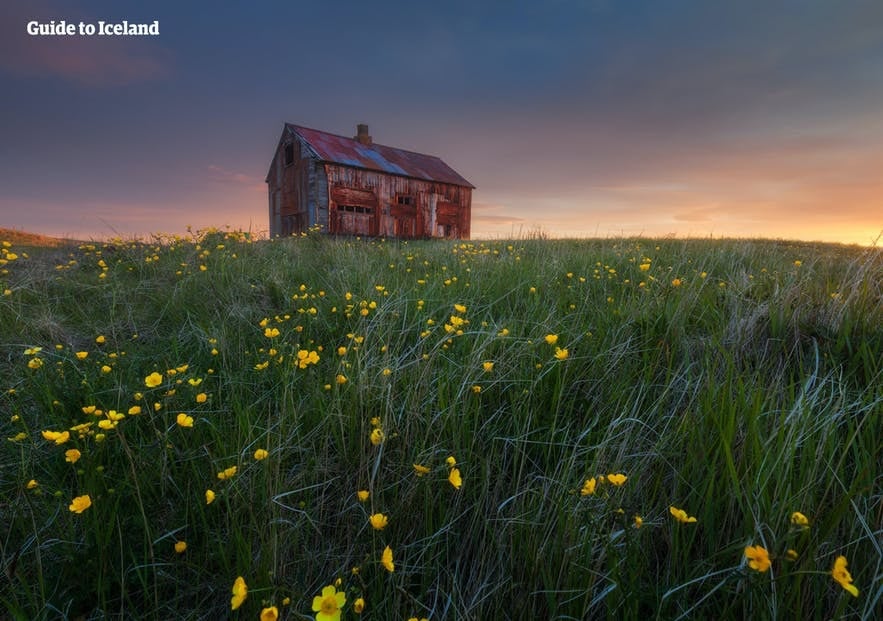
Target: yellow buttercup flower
[228,473]
[616,479]
[72,455]
[271,333]
[561,353]
[32,484]
[209,496]
[260,454]
[639,521]
[184,420]
[758,558]
[328,604]
[451,461]
[455,479]
[798,519]
[551,339]
[180,547]
[420,470]
[240,592]
[589,487]
[386,560]
[153,380]
[81,355]
[80,504]
[377,436]
[378,521]
[487,366]
[59,437]
[681,516]
[359,606]
[270,614]
[842,576]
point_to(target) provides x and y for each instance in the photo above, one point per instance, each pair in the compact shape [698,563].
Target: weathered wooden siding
[366,202]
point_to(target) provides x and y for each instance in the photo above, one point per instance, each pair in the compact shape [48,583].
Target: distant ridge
[24,238]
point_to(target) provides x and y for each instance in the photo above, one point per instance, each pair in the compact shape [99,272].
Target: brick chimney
[362,134]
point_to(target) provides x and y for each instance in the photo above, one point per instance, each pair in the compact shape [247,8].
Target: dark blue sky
[576,117]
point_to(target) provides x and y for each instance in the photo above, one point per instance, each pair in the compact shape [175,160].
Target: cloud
[219,174]
[90,61]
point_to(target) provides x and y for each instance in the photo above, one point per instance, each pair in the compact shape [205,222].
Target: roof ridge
[373,144]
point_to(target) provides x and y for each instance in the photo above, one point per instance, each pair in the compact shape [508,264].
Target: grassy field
[530,429]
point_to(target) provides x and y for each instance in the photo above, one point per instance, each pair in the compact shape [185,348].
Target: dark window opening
[355,209]
[289,154]
[404,199]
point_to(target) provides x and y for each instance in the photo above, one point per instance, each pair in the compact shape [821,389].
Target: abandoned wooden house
[352,186]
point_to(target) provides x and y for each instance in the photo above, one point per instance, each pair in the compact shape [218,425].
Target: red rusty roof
[350,152]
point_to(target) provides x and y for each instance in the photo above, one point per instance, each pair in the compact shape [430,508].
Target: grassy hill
[529,429]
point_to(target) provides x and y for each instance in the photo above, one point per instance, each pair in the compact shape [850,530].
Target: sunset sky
[577,118]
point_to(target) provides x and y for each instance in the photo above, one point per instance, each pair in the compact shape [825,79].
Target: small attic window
[289,154]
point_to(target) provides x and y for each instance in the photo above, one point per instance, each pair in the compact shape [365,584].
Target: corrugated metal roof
[350,152]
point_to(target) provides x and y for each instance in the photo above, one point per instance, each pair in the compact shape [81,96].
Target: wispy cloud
[219,174]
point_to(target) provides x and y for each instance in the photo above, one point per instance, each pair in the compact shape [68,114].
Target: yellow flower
[240,592]
[681,516]
[842,576]
[328,604]
[184,420]
[153,380]
[459,308]
[80,504]
[271,333]
[644,266]
[451,461]
[487,366]
[59,437]
[134,410]
[72,455]
[454,478]
[260,454]
[209,496]
[362,495]
[378,521]
[616,479]
[270,614]
[106,369]
[180,547]
[639,521]
[561,353]
[589,487]
[676,282]
[798,519]
[359,606]
[341,351]
[32,484]
[791,554]
[386,559]
[551,339]
[420,470]
[340,379]
[377,436]
[35,363]
[81,355]
[228,473]
[201,397]
[100,339]
[758,558]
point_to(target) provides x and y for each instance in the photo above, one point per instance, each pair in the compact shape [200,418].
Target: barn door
[353,212]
